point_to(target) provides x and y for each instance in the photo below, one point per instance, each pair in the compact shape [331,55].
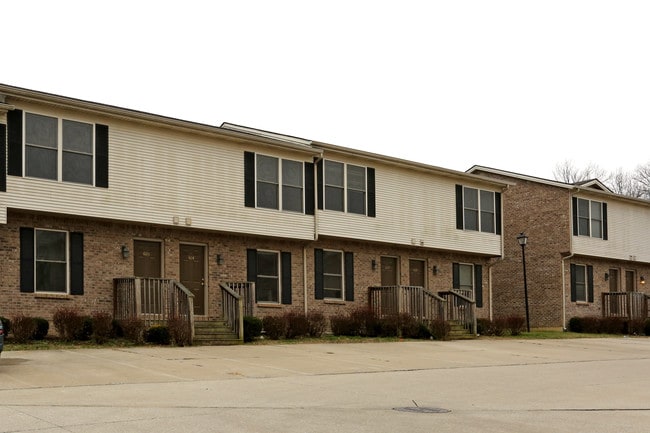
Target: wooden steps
[459,332]
[214,333]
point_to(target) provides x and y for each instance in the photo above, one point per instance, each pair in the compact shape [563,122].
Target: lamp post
[523,239]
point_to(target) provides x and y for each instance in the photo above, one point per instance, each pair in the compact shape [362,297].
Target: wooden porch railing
[232,308]
[247,291]
[460,308]
[154,300]
[413,300]
[628,305]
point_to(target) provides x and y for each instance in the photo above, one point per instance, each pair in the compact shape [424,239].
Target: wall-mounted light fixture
[373,264]
[220,259]
[125,252]
[435,270]
[606,276]
[642,279]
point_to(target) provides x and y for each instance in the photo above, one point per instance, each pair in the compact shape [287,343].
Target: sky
[515,85]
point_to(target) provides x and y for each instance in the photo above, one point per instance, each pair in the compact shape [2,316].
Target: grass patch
[59,344]
[550,335]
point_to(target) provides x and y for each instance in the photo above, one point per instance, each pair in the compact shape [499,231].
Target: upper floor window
[279,183]
[589,218]
[345,181]
[478,210]
[59,149]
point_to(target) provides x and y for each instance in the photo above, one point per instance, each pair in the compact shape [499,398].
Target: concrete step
[214,333]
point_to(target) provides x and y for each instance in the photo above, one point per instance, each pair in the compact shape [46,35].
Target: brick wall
[543,212]
[103,262]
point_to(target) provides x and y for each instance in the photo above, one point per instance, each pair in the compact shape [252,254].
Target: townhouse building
[104,208]
[586,254]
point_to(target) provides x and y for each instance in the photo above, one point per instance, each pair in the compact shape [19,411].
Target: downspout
[316,161]
[499,259]
[564,259]
[564,293]
[304,276]
[304,249]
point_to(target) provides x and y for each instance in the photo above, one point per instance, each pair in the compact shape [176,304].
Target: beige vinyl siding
[158,174]
[413,208]
[628,227]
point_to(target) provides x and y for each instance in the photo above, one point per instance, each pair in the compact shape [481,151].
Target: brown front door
[629,281]
[389,271]
[147,259]
[416,273]
[192,274]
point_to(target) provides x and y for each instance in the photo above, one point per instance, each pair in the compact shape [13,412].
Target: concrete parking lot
[578,385]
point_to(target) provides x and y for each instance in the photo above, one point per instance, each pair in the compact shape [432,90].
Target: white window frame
[346,188]
[67,261]
[278,277]
[341,275]
[590,218]
[280,184]
[59,148]
[581,270]
[480,210]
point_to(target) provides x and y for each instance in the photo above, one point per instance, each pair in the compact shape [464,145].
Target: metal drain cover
[421,409]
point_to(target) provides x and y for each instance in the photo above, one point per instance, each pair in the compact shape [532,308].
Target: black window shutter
[459,207]
[319,182]
[455,276]
[249,179]
[574,206]
[590,284]
[101,156]
[478,285]
[309,188]
[3,158]
[319,281]
[76,263]
[574,296]
[15,142]
[497,209]
[285,265]
[349,276]
[372,212]
[26,259]
[604,221]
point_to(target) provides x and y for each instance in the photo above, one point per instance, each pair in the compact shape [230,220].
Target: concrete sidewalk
[596,385]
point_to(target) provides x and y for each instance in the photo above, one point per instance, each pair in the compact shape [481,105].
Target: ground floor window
[582,283]
[271,273]
[51,261]
[334,275]
[267,287]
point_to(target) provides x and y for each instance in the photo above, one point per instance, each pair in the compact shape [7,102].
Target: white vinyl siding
[413,207]
[167,177]
[628,227]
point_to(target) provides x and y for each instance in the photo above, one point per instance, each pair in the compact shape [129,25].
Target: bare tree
[567,172]
[621,182]
[642,179]
[634,184]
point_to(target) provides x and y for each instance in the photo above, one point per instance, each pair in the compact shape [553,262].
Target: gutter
[564,259]
[317,159]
